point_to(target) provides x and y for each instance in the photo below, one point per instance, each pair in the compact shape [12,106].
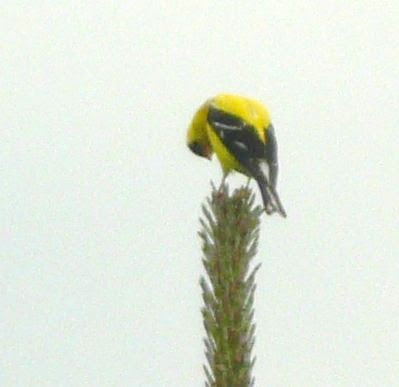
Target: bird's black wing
[242,142]
[239,138]
[259,160]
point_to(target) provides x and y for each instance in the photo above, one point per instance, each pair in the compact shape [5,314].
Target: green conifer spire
[229,233]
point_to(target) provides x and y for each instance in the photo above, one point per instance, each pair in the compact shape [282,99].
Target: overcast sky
[100,198]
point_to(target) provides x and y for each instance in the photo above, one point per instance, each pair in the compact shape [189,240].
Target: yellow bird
[239,131]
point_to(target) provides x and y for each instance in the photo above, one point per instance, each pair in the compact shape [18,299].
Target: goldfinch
[239,131]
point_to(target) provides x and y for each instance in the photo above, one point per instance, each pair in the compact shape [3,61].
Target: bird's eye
[197,148]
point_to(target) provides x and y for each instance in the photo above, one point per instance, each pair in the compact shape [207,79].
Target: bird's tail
[271,200]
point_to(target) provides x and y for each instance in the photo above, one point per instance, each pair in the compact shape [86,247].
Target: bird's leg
[222,182]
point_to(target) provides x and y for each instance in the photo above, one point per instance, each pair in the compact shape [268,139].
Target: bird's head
[197,136]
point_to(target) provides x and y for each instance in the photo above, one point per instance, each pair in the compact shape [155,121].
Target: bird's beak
[208,152]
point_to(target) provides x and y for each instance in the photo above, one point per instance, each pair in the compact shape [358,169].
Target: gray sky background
[100,197]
